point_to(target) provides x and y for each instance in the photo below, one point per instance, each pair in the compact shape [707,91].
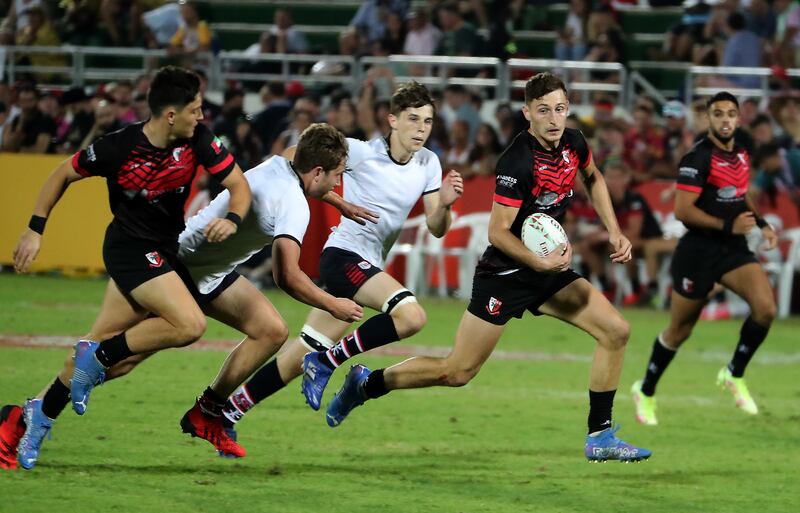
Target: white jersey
[374,181]
[279,209]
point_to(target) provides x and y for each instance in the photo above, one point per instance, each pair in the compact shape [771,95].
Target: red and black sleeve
[514,175]
[693,169]
[212,154]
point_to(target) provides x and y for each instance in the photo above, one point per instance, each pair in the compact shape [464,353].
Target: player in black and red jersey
[534,174]
[149,168]
[712,201]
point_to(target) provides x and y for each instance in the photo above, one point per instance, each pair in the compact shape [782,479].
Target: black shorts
[204,299]
[344,272]
[131,261]
[496,299]
[699,262]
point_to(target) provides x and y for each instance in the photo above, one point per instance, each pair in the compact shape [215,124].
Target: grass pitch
[510,441]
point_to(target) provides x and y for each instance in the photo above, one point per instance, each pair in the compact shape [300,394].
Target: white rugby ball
[542,234]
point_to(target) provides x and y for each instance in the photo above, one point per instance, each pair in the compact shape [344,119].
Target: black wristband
[761,223]
[37,224]
[233,216]
[727,225]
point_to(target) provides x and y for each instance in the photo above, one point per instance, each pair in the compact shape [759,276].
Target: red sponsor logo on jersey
[155,259]
[494,306]
[688,285]
[216,144]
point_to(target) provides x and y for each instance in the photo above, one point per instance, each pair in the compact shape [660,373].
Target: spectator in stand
[787,33]
[748,110]
[742,49]
[274,118]
[232,109]
[141,107]
[760,19]
[299,120]
[16,19]
[458,106]
[762,130]
[105,122]
[607,47]
[80,110]
[210,109]
[372,114]
[40,32]
[193,36]
[699,117]
[459,38]
[310,104]
[678,138]
[422,37]
[645,144]
[246,146]
[778,171]
[688,34]
[122,94]
[122,21]
[457,156]
[287,38]
[52,108]
[159,25]
[395,36]
[789,118]
[79,25]
[345,118]
[610,142]
[371,18]
[30,131]
[571,42]
[484,154]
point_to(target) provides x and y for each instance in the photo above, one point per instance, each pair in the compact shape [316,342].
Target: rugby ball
[542,234]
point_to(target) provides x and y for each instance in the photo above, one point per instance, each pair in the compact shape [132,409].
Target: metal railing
[82,65]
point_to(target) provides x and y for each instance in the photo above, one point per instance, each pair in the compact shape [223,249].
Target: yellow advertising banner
[73,239]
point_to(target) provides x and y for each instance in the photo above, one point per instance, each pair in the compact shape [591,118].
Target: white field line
[407,350]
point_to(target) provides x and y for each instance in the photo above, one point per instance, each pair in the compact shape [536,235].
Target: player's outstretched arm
[596,187]
[689,214]
[239,204]
[292,280]
[437,206]
[353,212]
[31,240]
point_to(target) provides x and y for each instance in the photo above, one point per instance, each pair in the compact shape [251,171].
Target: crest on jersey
[565,154]
[364,265]
[688,285]
[176,154]
[741,157]
[494,306]
[155,259]
[216,144]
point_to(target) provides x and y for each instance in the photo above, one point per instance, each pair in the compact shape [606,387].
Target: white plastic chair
[409,244]
[468,255]
[790,265]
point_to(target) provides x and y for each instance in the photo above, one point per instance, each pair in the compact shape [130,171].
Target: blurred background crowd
[40,112]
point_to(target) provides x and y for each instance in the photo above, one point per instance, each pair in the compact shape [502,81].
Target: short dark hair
[736,21]
[760,119]
[172,86]
[764,152]
[722,96]
[276,88]
[320,145]
[410,95]
[542,84]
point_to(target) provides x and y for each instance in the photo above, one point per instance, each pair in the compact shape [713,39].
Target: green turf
[510,441]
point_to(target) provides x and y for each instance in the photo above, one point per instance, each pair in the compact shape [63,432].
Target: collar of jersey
[389,152]
[296,175]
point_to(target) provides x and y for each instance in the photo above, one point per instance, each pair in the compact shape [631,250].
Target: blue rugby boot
[316,375]
[605,446]
[88,373]
[37,426]
[350,396]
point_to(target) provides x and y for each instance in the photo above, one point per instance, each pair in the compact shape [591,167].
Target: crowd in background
[632,148]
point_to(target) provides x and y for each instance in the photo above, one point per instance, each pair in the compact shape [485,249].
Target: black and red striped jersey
[719,177]
[535,179]
[148,186]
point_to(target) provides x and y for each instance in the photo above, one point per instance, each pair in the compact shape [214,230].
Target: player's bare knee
[617,332]
[409,320]
[764,312]
[274,334]
[462,375]
[191,328]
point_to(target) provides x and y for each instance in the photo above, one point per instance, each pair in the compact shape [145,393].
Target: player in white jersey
[279,216]
[387,176]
